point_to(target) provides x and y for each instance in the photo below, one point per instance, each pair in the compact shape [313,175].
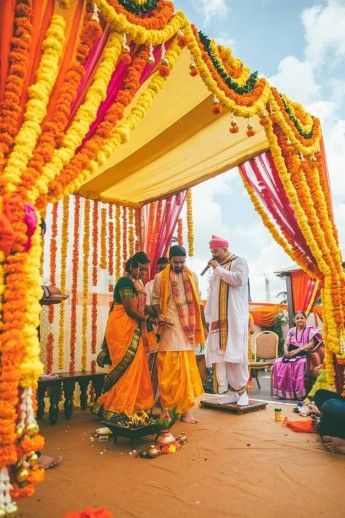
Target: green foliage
[167,419]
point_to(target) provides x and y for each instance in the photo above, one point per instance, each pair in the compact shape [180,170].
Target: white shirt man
[226,314]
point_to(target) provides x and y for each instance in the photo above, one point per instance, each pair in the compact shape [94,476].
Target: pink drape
[116,83]
[159,222]
[90,63]
[260,172]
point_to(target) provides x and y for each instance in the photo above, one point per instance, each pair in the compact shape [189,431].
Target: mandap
[127,104]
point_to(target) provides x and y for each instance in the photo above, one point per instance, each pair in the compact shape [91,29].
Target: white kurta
[238,312]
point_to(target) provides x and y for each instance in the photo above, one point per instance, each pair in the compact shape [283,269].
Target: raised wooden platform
[254,404]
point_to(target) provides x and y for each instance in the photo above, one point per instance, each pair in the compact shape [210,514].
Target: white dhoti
[233,376]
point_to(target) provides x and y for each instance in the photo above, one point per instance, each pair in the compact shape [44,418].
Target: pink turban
[218,242]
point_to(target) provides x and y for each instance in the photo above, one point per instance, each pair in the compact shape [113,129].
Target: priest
[227,322]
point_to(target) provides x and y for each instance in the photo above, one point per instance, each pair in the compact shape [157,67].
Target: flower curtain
[159,222]
[64,112]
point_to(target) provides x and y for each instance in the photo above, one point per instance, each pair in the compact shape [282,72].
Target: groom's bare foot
[187,417]
[47,462]
[334,444]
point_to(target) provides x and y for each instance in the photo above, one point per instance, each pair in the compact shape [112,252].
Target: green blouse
[124,289]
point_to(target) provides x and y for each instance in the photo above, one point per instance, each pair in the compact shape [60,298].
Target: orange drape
[6,17]
[264,313]
[304,291]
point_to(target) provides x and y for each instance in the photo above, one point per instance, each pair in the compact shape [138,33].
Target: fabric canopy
[179,143]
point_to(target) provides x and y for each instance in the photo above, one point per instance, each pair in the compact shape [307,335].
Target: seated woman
[331,425]
[288,371]
[127,386]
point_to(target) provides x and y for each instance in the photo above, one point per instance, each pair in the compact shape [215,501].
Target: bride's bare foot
[334,444]
[47,462]
[187,417]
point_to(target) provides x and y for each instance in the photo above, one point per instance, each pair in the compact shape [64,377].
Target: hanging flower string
[124,234]
[118,241]
[137,222]
[75,269]
[63,279]
[190,229]
[86,259]
[180,231]
[103,260]
[18,62]
[111,245]
[52,280]
[95,242]
[131,230]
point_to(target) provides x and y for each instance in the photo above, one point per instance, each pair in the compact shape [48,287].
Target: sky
[299,45]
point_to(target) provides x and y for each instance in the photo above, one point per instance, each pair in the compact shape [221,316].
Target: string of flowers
[115,113]
[18,62]
[118,241]
[155,29]
[95,211]
[331,338]
[53,127]
[12,341]
[36,106]
[180,231]
[86,258]
[121,131]
[111,244]
[74,284]
[103,258]
[124,233]
[288,248]
[63,279]
[94,323]
[85,115]
[137,222]
[153,14]
[131,230]
[190,225]
[52,280]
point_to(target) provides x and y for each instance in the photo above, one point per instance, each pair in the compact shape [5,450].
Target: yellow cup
[278,415]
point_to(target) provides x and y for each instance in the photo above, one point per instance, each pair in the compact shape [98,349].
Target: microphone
[205,270]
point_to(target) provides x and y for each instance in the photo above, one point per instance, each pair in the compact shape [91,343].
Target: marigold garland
[118,241]
[18,62]
[180,231]
[36,106]
[124,234]
[190,225]
[53,127]
[86,258]
[94,323]
[63,279]
[91,148]
[131,231]
[111,244]
[74,284]
[95,212]
[85,115]
[137,222]
[103,258]
[122,130]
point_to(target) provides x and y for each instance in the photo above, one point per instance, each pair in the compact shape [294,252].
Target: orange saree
[127,386]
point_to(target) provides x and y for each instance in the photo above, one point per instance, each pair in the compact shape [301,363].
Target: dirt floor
[233,465]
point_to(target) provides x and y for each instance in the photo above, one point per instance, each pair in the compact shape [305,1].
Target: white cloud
[324,31]
[211,9]
[296,78]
